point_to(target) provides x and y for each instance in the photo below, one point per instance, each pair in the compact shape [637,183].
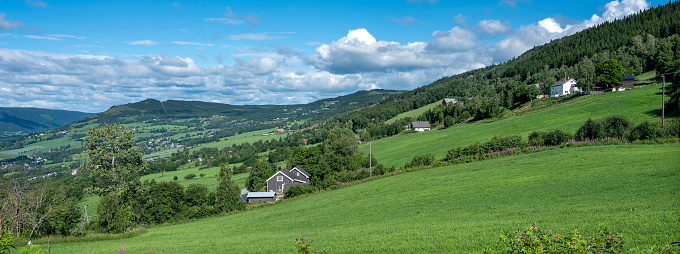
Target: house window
[279,178]
[298,173]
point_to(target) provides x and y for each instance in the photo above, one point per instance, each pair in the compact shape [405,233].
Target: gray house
[284,179]
[261,197]
[418,126]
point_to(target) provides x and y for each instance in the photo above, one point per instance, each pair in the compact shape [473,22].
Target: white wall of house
[568,87]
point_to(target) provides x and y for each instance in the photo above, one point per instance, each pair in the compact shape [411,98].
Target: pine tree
[228,194]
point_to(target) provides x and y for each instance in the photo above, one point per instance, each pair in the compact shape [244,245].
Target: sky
[90,55]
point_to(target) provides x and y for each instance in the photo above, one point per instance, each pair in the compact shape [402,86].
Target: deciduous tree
[113,158]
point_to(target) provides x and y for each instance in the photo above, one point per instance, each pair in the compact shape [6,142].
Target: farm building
[284,179]
[261,197]
[448,101]
[418,126]
[564,87]
[628,81]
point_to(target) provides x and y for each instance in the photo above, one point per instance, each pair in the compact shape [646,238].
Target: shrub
[174,178]
[557,137]
[616,126]
[537,138]
[645,130]
[673,128]
[298,190]
[421,160]
[590,130]
[534,240]
[189,176]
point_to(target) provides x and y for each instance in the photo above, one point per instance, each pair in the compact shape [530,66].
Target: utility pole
[370,158]
[663,101]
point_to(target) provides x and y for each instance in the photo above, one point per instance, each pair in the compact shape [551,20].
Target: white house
[418,126]
[564,87]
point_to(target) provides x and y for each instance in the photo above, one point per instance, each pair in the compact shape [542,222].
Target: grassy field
[639,104]
[238,139]
[633,189]
[414,113]
[210,179]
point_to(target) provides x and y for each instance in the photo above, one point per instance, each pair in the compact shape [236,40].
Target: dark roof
[422,124]
[292,174]
[561,82]
[629,77]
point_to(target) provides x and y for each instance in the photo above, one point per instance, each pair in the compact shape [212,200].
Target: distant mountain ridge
[28,120]
[152,108]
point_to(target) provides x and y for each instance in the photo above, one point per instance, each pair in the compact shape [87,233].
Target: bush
[616,126]
[189,176]
[421,160]
[590,130]
[673,128]
[645,130]
[534,240]
[557,137]
[298,190]
[537,138]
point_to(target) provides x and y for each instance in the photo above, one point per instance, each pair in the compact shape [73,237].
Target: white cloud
[512,3]
[491,27]
[354,62]
[9,25]
[259,36]
[191,43]
[456,39]
[405,21]
[36,3]
[253,19]
[224,21]
[142,42]
[65,36]
[42,37]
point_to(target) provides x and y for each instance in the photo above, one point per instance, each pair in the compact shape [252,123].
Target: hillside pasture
[630,188]
[414,113]
[638,104]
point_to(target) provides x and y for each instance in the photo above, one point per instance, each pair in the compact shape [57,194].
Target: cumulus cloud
[456,39]
[9,25]
[142,42]
[279,75]
[460,19]
[491,27]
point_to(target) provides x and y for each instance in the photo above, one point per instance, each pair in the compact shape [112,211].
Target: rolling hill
[19,121]
[630,188]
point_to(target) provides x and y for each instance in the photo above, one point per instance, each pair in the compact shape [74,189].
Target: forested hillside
[18,121]
[643,42]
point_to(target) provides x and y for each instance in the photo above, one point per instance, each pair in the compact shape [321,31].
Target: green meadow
[638,104]
[414,113]
[633,189]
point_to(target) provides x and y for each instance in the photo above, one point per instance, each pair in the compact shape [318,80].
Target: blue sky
[91,55]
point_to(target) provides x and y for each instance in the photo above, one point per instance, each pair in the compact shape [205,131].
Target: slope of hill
[638,104]
[150,108]
[630,188]
[18,121]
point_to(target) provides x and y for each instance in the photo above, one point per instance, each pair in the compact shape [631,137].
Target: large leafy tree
[609,73]
[227,195]
[112,158]
[257,180]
